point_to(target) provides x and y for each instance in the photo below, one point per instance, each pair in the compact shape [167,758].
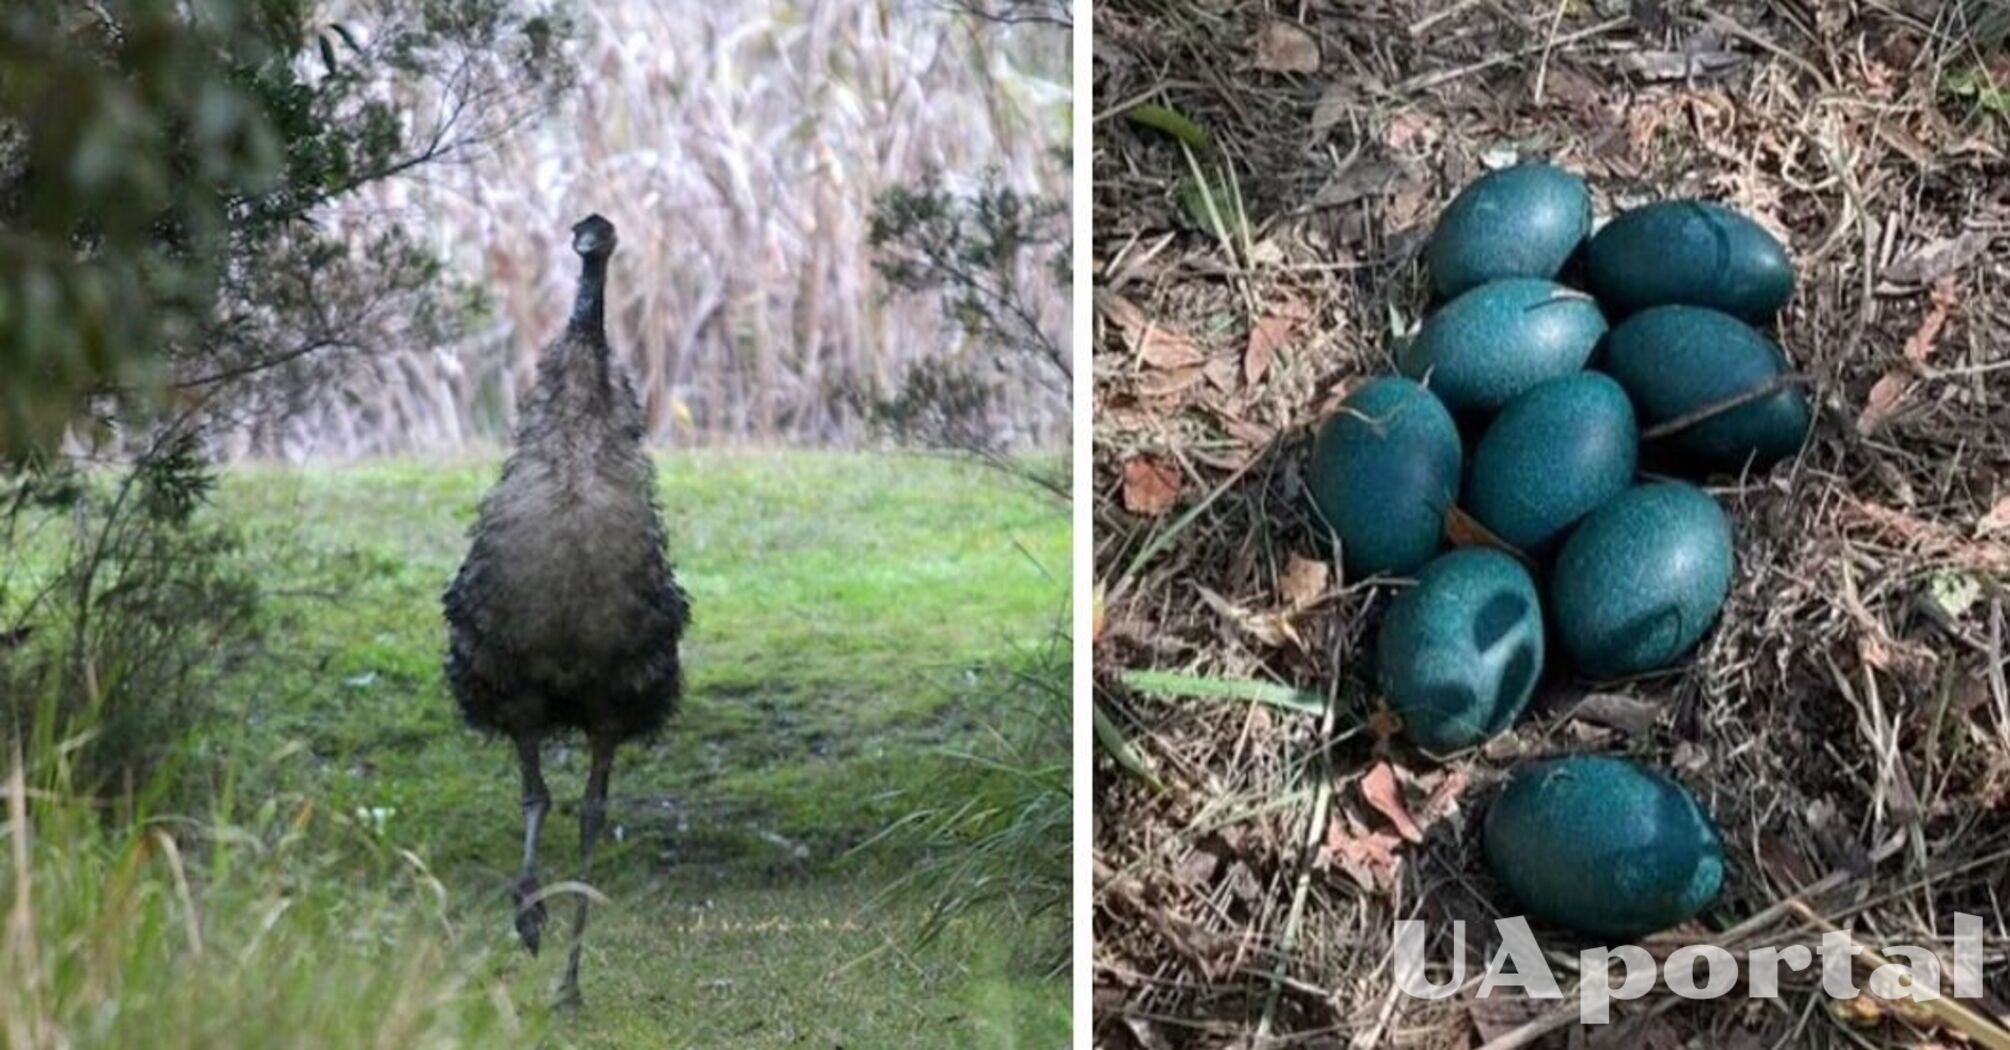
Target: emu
[565,615]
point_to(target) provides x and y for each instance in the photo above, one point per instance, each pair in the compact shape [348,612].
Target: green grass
[848,613]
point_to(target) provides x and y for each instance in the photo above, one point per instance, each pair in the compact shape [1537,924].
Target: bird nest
[1847,722]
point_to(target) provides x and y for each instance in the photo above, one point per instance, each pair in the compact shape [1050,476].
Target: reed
[739,148]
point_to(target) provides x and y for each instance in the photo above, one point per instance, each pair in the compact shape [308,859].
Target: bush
[130,599]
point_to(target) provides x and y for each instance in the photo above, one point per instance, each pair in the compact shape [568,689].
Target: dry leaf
[1150,487]
[1883,400]
[1334,105]
[1630,715]
[1223,372]
[1445,797]
[1166,383]
[1284,48]
[1938,259]
[1268,628]
[1381,791]
[1361,179]
[1920,346]
[1503,1011]
[1464,530]
[1269,333]
[1304,582]
[1368,857]
[1997,520]
[1154,345]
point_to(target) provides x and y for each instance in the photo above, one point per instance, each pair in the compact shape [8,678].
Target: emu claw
[529,913]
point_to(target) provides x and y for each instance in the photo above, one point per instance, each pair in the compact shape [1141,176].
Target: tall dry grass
[738,147]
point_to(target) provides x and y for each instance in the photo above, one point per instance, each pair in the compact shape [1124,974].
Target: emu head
[593,237]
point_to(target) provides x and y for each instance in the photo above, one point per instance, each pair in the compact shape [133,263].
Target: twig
[1431,80]
[1717,408]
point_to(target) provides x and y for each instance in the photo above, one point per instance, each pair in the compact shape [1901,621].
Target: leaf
[1445,797]
[1170,121]
[1361,179]
[1883,401]
[1920,345]
[1111,736]
[1955,592]
[1153,344]
[1938,259]
[1630,715]
[1997,520]
[1381,791]
[1464,530]
[1150,487]
[1267,628]
[1368,857]
[1335,103]
[1270,332]
[1194,197]
[1304,582]
[1172,683]
[1284,48]
[1158,383]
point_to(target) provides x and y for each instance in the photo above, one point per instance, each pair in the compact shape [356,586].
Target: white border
[1084,588]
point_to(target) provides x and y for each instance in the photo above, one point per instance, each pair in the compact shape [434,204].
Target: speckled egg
[1524,221]
[1499,339]
[1674,360]
[1553,455]
[1603,846]
[1640,580]
[1460,652]
[1692,253]
[1384,470]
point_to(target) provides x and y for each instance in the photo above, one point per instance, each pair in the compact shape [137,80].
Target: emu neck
[589,309]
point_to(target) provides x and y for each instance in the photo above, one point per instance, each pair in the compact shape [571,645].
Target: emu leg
[592,814]
[536,803]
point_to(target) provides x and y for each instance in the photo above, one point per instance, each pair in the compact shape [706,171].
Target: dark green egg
[1641,579]
[1460,652]
[1603,846]
[1674,360]
[1689,252]
[1524,221]
[1553,455]
[1384,469]
[1500,339]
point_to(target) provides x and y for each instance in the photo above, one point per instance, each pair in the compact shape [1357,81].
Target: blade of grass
[1172,683]
[1111,736]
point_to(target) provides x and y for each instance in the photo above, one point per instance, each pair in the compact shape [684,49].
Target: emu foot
[529,912]
[568,1001]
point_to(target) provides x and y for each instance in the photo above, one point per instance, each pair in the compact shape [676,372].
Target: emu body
[565,615]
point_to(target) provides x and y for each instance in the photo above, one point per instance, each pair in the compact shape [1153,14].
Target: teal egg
[1603,846]
[1524,221]
[1641,579]
[1384,470]
[1553,455]
[1674,360]
[1460,652]
[1497,340]
[1692,253]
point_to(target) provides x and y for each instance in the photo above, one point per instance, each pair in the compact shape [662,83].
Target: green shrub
[121,600]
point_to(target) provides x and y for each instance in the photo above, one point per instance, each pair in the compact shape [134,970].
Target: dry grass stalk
[738,148]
